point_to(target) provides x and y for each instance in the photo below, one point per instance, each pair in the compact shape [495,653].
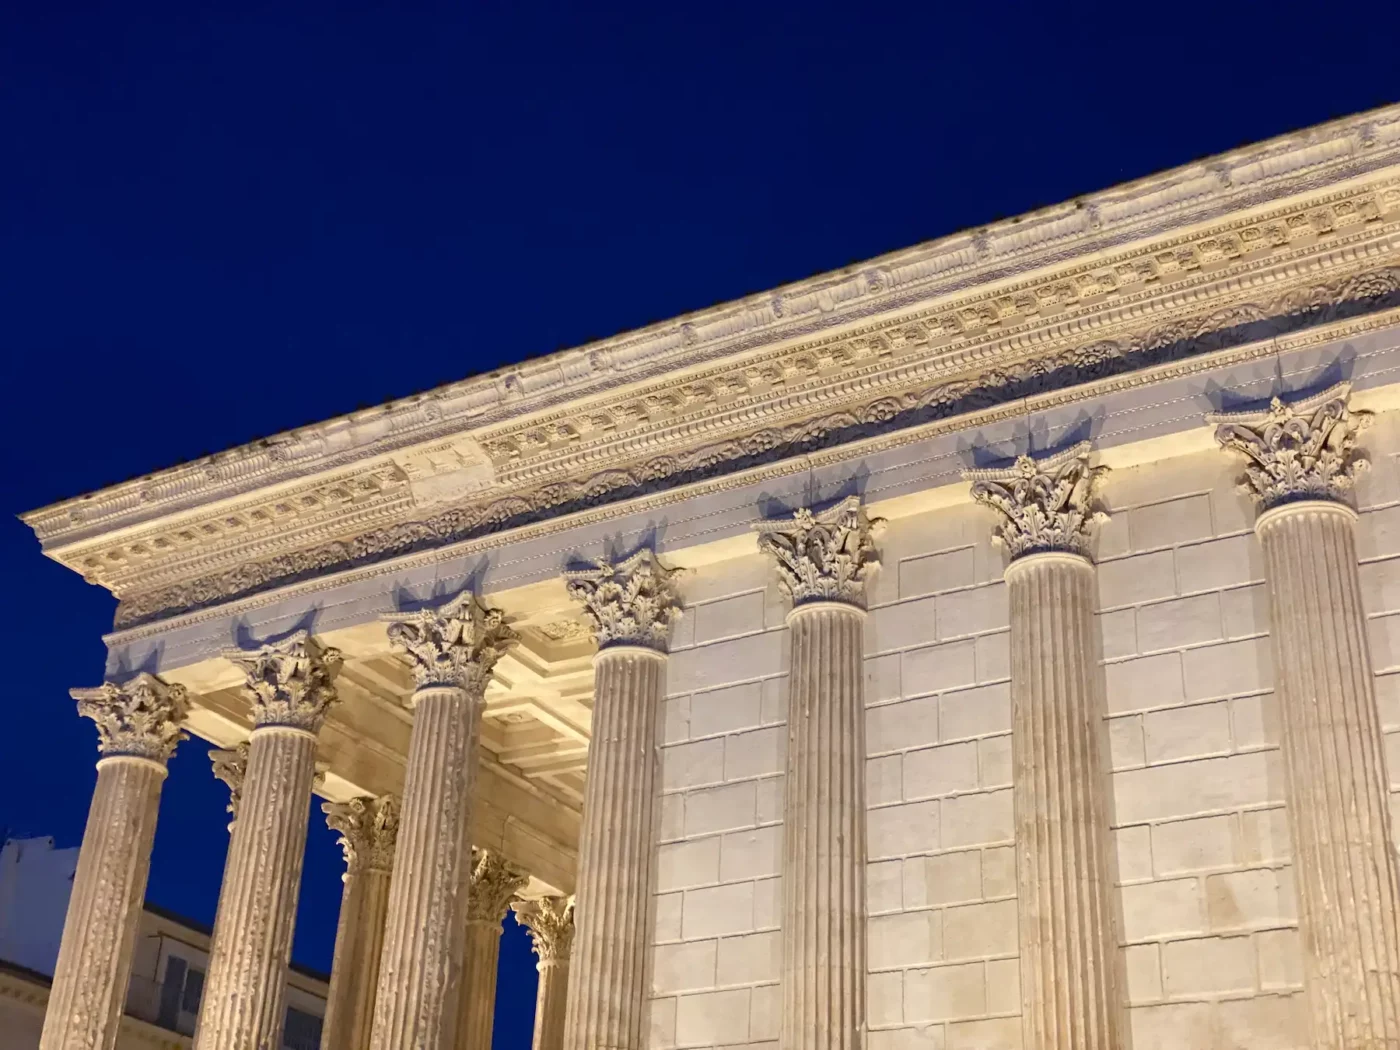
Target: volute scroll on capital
[1045,505]
[368,831]
[631,602]
[1295,451]
[140,718]
[494,883]
[231,766]
[823,556]
[453,646]
[291,682]
[550,922]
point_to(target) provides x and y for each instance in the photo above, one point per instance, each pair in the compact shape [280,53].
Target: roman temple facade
[994,645]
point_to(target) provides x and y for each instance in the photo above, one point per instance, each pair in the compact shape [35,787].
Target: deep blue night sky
[221,221]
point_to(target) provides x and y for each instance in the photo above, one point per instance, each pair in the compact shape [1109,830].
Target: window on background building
[302,1032]
[180,995]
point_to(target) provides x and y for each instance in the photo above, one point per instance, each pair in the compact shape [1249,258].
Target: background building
[170,961]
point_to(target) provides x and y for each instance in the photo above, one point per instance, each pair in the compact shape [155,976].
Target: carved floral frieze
[1048,504]
[454,645]
[291,682]
[141,718]
[631,602]
[1298,450]
[822,556]
[1181,340]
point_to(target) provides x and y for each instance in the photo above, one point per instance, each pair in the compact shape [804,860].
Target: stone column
[630,607]
[368,829]
[452,650]
[289,685]
[550,921]
[1069,947]
[493,883]
[823,561]
[138,726]
[1302,460]
[231,766]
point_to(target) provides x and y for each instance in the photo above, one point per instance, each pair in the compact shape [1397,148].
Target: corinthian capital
[1046,504]
[368,829]
[493,883]
[633,602]
[823,557]
[291,682]
[141,718]
[455,645]
[231,767]
[550,921]
[1300,451]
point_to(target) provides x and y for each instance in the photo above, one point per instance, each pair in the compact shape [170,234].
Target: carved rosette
[632,602]
[550,921]
[823,557]
[1303,450]
[231,766]
[1048,504]
[453,646]
[494,882]
[140,718]
[291,682]
[368,830]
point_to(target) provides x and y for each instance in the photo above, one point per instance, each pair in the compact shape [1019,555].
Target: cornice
[1308,161]
[346,505]
[1295,305]
[1326,332]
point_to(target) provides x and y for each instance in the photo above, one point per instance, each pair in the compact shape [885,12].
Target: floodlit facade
[993,645]
[170,957]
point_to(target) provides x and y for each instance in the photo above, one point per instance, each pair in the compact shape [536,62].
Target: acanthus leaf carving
[823,556]
[141,718]
[368,830]
[1048,504]
[631,602]
[454,645]
[1301,450]
[550,922]
[494,882]
[290,682]
[231,766]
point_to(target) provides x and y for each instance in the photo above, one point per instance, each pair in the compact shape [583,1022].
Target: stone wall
[1207,908]
[716,962]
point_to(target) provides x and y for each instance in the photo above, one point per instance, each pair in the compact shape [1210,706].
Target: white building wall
[35,882]
[1207,908]
[1208,912]
[942,876]
[716,961]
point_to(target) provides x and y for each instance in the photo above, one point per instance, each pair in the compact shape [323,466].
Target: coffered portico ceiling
[1294,233]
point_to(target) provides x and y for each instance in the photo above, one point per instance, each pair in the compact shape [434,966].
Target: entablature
[1273,234]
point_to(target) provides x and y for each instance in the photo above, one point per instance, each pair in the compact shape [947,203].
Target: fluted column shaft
[1069,999]
[1335,777]
[421,967]
[104,909]
[359,940]
[478,1015]
[607,983]
[244,1005]
[824,939]
[551,1004]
